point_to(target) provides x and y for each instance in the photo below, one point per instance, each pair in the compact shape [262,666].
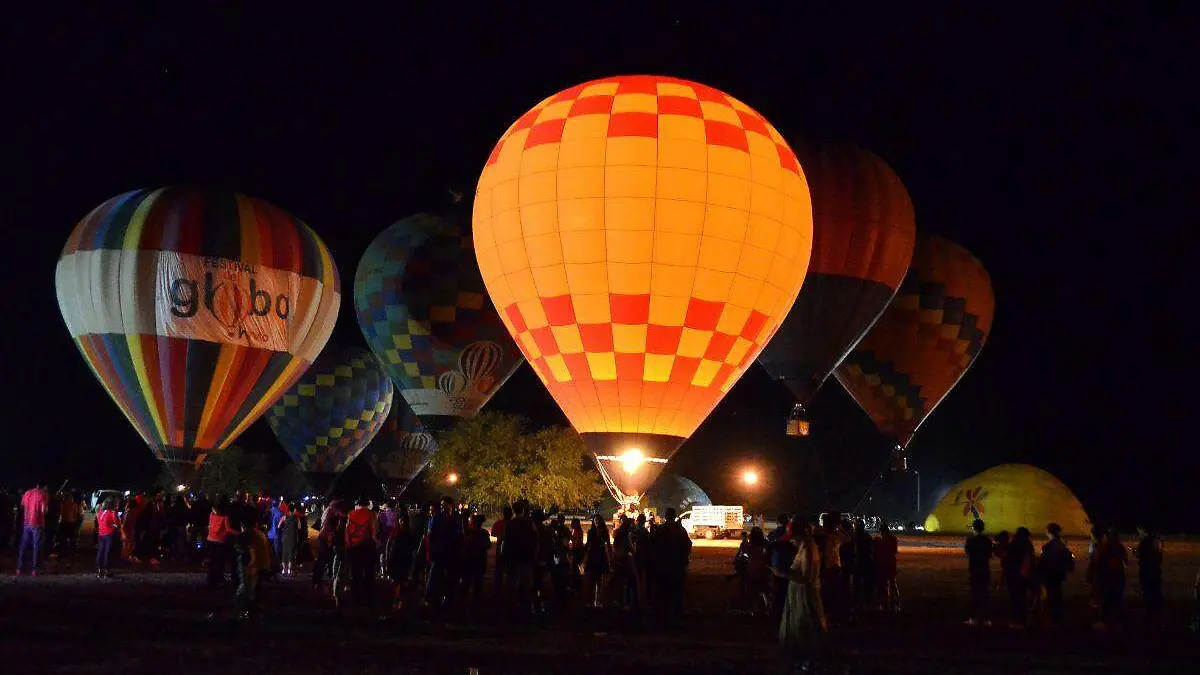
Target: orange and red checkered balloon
[642,237]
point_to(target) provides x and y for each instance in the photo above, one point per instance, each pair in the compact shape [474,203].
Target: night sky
[1055,148]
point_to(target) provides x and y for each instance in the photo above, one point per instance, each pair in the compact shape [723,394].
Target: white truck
[713,522]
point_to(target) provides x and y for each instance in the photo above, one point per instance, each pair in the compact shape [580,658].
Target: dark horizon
[1053,146]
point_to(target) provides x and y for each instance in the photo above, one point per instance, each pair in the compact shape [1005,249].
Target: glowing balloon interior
[642,238]
[195,310]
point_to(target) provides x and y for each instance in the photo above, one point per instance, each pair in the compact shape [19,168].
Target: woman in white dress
[803,631]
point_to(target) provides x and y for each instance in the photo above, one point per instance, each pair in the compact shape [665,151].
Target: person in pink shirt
[107,528]
[34,505]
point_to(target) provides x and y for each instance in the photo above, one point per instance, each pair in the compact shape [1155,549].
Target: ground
[156,620]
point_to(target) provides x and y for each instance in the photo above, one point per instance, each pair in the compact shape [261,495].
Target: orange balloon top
[642,237]
[925,340]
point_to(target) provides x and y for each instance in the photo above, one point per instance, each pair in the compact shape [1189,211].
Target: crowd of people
[543,564]
[386,557]
[1033,578]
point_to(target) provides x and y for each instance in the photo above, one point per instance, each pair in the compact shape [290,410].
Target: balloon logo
[196,311]
[452,383]
[642,237]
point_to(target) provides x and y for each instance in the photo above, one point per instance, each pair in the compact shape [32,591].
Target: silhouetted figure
[864,568]
[1111,561]
[596,565]
[444,536]
[887,551]
[501,566]
[1150,564]
[1018,568]
[672,550]
[979,573]
[1056,563]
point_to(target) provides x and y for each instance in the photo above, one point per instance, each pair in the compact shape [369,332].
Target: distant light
[452,478]
[750,477]
[632,459]
[127,493]
[180,488]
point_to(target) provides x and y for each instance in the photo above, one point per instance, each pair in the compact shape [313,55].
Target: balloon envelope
[421,305]
[642,237]
[195,310]
[1006,497]
[326,419]
[863,237]
[924,342]
[401,450]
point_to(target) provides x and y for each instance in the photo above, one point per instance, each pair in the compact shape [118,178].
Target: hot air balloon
[642,237]
[326,419]
[401,450]
[195,310]
[863,237]
[924,342]
[421,305]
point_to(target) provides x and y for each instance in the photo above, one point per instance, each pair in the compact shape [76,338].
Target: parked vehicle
[713,522]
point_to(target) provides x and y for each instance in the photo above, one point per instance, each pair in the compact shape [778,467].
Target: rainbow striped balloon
[196,310]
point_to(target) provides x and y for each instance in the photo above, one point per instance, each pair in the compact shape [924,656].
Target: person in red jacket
[107,527]
[34,505]
[361,552]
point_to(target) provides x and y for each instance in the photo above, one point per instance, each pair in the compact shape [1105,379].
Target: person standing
[624,565]
[599,552]
[386,520]
[520,554]
[107,528]
[1018,571]
[361,531]
[476,545]
[217,544]
[864,568]
[445,538]
[673,550]
[1112,559]
[979,549]
[274,515]
[803,628]
[500,566]
[285,538]
[403,546]
[887,551]
[781,553]
[34,505]
[70,513]
[1056,563]
[831,540]
[257,565]
[1150,565]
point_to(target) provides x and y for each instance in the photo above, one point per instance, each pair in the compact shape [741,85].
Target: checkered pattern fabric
[334,411]
[642,237]
[924,342]
[422,307]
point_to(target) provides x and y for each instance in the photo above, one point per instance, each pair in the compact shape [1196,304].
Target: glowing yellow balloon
[642,238]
